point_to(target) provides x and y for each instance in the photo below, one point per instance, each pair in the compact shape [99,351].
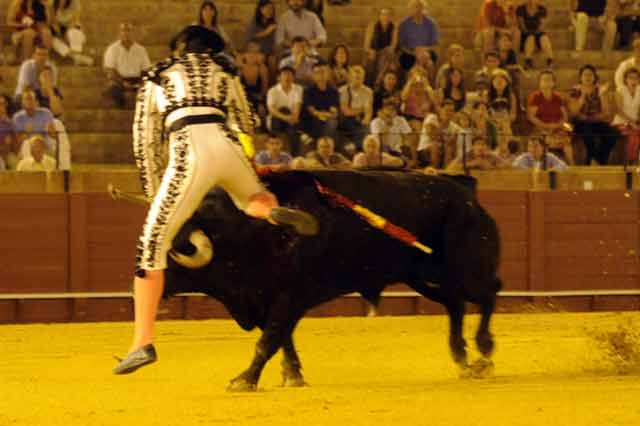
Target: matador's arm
[148,147]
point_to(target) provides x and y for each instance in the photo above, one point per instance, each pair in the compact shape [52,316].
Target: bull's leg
[291,367]
[457,343]
[279,325]
[483,367]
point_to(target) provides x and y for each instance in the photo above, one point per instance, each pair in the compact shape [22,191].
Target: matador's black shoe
[302,222]
[136,359]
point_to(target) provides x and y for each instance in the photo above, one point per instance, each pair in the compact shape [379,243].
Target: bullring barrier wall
[67,248]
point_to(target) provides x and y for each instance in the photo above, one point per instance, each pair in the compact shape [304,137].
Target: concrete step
[110,147]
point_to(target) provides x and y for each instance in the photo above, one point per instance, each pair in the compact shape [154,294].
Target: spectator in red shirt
[547,111]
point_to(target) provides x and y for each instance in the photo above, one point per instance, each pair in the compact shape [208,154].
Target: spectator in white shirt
[393,130]
[38,161]
[372,156]
[124,61]
[632,62]
[299,22]
[284,102]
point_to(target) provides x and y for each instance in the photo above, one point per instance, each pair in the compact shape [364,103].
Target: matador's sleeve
[148,146]
[240,115]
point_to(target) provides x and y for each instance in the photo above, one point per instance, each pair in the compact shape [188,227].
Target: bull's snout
[202,256]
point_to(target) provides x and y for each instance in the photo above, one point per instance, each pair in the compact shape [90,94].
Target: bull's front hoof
[465,372]
[482,368]
[293,382]
[240,384]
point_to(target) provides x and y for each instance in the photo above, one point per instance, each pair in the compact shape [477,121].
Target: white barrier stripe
[124,295]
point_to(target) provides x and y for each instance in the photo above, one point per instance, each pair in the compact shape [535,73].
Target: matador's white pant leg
[201,156]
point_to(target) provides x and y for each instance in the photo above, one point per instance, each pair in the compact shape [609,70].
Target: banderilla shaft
[117,194]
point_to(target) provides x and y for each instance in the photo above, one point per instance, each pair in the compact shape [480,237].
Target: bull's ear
[202,256]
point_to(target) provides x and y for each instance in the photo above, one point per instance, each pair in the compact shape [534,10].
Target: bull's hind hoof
[240,384]
[294,382]
[482,368]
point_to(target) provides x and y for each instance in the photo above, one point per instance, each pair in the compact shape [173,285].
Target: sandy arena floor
[362,371]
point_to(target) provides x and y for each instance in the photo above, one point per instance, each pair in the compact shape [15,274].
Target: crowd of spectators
[408,101]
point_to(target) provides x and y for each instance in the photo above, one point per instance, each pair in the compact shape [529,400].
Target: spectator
[508,150]
[632,62]
[262,29]
[255,76]
[502,100]
[627,20]
[453,89]
[284,103]
[589,108]
[32,120]
[29,20]
[455,55]
[417,98]
[38,160]
[356,107]
[68,38]
[385,90]
[584,12]
[124,61]
[479,157]
[628,107]
[299,22]
[417,37]
[325,156]
[48,94]
[320,103]
[317,7]
[547,111]
[533,159]
[272,159]
[495,16]
[393,131]
[482,126]
[300,61]
[531,16]
[378,43]
[373,156]
[339,66]
[208,17]
[28,76]
[439,138]
[8,148]
[484,74]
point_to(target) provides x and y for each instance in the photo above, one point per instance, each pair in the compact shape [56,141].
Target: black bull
[268,276]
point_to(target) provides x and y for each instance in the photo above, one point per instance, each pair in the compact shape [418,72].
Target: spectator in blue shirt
[28,76]
[417,36]
[273,158]
[30,120]
[533,158]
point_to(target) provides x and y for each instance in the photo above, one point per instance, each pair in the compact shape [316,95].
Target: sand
[361,371]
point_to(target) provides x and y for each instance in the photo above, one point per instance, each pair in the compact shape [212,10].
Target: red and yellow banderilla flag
[375,220]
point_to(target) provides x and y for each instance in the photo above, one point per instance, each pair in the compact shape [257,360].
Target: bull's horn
[202,256]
